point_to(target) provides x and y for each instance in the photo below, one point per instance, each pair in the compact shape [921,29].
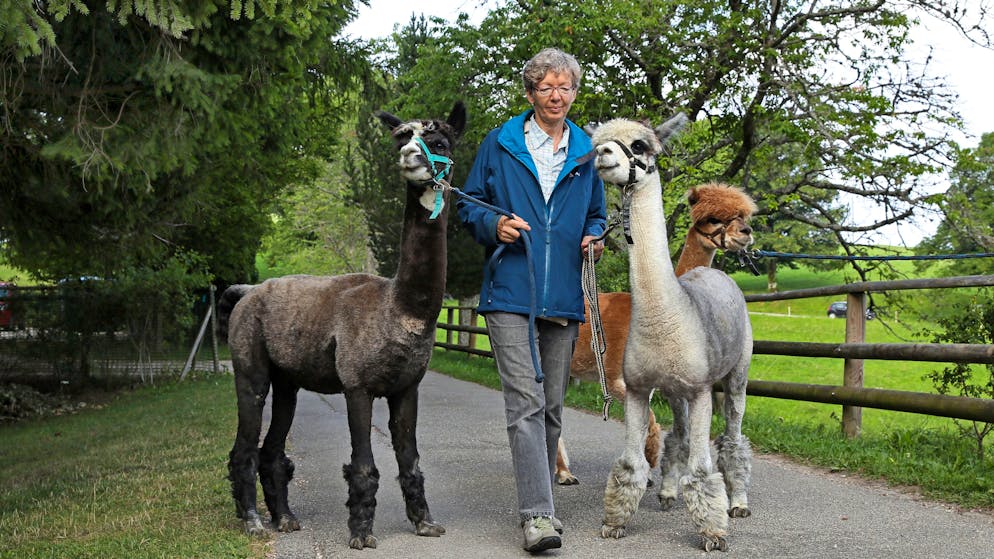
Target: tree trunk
[771,275]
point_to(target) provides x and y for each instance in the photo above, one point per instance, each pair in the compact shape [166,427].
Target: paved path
[797,511]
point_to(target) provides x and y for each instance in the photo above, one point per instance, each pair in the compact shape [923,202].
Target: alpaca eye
[638,147]
[714,220]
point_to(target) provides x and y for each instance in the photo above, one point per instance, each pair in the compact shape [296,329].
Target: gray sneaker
[540,535]
[557,524]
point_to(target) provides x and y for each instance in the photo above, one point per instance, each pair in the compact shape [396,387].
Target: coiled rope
[598,343]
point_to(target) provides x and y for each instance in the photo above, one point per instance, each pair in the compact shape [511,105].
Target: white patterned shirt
[548,163]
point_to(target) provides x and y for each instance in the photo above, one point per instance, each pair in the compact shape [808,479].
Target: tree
[809,106]
[317,230]
[967,209]
[963,315]
[971,323]
[411,90]
[138,130]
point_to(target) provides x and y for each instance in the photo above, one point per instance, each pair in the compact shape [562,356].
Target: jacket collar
[512,138]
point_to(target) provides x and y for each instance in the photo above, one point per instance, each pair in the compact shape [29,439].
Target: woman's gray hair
[550,60]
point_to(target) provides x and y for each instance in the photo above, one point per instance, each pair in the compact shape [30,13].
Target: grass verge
[143,476]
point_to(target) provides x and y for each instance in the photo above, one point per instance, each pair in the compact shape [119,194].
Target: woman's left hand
[598,247]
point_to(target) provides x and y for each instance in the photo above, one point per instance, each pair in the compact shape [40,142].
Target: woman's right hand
[507,228]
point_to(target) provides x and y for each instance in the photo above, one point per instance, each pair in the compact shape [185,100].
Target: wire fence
[88,332]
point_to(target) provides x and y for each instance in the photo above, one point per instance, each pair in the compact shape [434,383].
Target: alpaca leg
[652,441]
[676,448]
[275,469]
[627,482]
[734,450]
[563,475]
[243,460]
[361,473]
[704,490]
[403,422]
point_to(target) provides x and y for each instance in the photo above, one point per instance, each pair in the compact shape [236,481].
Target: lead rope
[442,184]
[598,343]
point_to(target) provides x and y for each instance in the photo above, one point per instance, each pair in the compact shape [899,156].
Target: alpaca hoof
[666,503]
[428,528]
[711,543]
[739,512]
[616,532]
[254,527]
[288,523]
[566,479]
[359,542]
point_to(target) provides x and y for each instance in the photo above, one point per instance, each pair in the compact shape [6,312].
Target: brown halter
[719,232]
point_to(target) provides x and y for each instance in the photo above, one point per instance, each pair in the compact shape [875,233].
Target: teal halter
[438,175]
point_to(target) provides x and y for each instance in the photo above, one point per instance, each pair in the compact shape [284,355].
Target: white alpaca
[685,335]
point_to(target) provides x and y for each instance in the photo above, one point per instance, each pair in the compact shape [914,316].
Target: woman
[539,166]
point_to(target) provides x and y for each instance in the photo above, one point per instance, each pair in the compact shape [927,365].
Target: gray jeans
[534,411]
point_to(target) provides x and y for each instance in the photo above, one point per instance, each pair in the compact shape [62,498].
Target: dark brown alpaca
[720,216]
[361,335]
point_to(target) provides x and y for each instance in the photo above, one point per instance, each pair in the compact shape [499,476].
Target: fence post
[448,320]
[852,373]
[217,366]
[472,335]
[196,343]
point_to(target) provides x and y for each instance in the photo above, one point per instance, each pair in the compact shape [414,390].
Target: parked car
[838,310]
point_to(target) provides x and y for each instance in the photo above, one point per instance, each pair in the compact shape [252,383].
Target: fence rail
[852,395]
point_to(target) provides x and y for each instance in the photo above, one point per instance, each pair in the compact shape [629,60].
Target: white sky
[966,68]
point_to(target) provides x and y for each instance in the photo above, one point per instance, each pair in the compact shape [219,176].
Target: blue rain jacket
[504,175]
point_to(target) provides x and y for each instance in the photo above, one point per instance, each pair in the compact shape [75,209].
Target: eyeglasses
[546,91]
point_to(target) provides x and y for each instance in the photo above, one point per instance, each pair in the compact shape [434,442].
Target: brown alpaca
[720,217]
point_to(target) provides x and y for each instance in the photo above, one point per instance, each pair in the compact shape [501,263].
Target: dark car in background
[838,310]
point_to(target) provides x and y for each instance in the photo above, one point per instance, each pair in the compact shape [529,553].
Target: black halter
[634,162]
[626,195]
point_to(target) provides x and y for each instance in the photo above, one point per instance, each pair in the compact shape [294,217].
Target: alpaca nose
[746,230]
[409,149]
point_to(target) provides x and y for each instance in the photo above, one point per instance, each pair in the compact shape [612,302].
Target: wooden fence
[852,395]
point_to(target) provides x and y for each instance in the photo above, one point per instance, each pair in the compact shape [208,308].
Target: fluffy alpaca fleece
[719,201]
[684,335]
[735,460]
[704,494]
[625,486]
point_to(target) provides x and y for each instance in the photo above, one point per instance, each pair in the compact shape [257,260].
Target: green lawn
[140,477]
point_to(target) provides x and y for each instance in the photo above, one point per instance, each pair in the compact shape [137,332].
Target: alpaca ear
[457,118]
[668,129]
[592,127]
[388,119]
[692,197]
